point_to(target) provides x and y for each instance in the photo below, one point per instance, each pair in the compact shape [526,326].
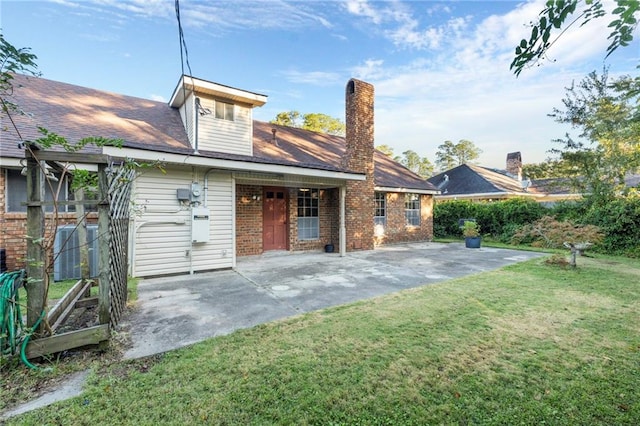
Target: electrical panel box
[200,224]
[183,194]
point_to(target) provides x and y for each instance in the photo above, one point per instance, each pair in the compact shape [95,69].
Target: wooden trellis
[119,202]
[114,188]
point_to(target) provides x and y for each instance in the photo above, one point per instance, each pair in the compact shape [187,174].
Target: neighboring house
[231,186]
[476,183]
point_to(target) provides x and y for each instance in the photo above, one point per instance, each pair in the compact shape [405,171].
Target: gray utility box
[66,251]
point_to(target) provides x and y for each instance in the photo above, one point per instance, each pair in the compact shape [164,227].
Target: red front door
[275,235]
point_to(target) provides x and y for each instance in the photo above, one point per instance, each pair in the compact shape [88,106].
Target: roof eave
[197,85]
[407,190]
[226,164]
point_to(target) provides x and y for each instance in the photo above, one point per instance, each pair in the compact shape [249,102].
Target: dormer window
[224,111]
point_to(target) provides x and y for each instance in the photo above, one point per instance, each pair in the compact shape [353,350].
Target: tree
[546,170]
[13,60]
[386,150]
[411,160]
[555,17]
[607,115]
[315,122]
[419,165]
[324,124]
[450,155]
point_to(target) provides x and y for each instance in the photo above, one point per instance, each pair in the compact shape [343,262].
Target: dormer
[216,117]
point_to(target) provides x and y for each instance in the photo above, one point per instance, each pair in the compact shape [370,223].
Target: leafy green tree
[445,158]
[559,15]
[548,169]
[607,115]
[450,155]
[315,122]
[386,150]
[13,60]
[287,118]
[466,152]
[417,164]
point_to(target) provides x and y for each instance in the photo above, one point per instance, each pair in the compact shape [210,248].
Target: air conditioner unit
[66,251]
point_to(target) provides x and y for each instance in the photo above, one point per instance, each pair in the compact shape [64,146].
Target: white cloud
[316,78]
[462,87]
[157,98]
[364,9]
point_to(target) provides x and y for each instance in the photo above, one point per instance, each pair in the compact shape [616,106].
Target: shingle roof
[468,179]
[75,112]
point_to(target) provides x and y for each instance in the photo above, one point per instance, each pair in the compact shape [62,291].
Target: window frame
[226,112]
[13,187]
[412,206]
[308,214]
[380,206]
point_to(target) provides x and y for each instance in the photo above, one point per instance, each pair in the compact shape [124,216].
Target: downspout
[343,229]
[196,113]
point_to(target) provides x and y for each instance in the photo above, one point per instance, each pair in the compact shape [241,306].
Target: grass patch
[528,344]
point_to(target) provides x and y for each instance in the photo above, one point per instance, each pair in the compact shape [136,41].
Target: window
[224,111]
[380,216]
[308,214]
[16,190]
[412,209]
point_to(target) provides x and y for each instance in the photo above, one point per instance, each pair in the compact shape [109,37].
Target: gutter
[231,165]
[407,190]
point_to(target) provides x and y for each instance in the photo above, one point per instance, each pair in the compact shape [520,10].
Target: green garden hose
[12,328]
[10,315]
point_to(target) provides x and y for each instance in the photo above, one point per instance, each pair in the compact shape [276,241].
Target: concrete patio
[176,311]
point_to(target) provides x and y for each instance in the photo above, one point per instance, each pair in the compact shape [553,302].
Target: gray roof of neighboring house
[76,112]
[468,179]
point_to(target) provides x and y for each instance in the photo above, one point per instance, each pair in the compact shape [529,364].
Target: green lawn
[527,344]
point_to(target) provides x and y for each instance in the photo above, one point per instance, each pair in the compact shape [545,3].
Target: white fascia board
[10,162]
[406,190]
[232,165]
[215,89]
[15,162]
[486,195]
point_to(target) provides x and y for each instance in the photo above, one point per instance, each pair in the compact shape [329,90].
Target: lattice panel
[120,182]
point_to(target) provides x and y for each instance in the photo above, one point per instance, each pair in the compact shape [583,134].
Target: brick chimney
[514,164]
[359,158]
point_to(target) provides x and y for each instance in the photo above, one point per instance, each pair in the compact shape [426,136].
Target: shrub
[550,233]
[620,221]
[447,214]
[495,218]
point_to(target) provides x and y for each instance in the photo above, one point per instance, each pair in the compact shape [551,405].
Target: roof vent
[274,138]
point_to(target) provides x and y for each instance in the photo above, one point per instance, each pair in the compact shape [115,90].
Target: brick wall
[329,221]
[248,220]
[359,114]
[396,230]
[14,229]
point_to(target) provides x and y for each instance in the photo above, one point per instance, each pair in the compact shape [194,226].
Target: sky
[440,68]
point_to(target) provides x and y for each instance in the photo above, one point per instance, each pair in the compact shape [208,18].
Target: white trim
[10,162]
[225,92]
[233,223]
[343,216]
[217,163]
[488,195]
[407,190]
[15,163]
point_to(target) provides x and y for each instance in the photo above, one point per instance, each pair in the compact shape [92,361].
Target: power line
[183,44]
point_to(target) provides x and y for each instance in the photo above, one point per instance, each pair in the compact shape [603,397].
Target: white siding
[233,137]
[186,113]
[162,240]
[218,252]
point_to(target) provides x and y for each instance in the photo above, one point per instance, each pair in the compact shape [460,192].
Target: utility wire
[184,57]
